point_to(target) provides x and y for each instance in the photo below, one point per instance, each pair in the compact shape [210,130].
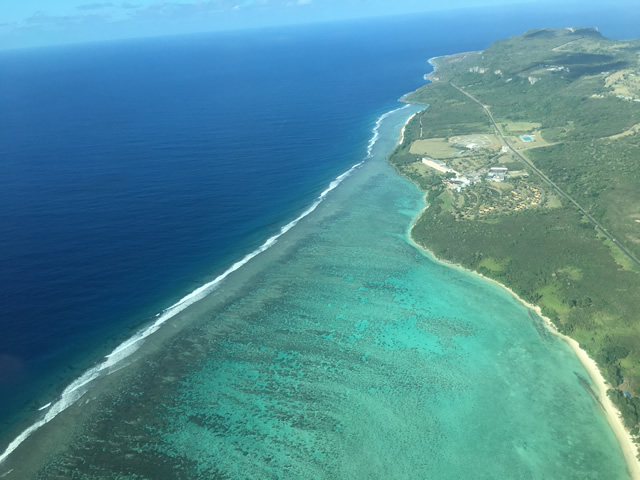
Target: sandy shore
[629,448]
[401,141]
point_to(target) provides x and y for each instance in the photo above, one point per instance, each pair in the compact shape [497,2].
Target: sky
[28,23]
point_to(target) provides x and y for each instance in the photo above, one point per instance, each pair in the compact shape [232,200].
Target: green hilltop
[545,200]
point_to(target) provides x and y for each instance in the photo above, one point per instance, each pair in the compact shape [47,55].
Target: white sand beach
[629,448]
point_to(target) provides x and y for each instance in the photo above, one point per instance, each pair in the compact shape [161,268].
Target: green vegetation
[433,147]
[602,175]
[517,128]
[450,113]
[492,264]
[579,94]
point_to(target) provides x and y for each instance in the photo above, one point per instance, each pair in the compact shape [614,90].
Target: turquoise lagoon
[341,352]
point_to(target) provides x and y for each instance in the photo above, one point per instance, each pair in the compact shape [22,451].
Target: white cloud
[94,6]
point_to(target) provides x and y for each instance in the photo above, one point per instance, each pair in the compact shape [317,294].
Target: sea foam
[76,389]
[376,129]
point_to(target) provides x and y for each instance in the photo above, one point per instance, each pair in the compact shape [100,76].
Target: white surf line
[79,387]
[376,129]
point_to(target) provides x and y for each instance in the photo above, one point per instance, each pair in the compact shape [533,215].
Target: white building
[498,174]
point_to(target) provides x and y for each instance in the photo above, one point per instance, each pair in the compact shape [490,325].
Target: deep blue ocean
[133,172]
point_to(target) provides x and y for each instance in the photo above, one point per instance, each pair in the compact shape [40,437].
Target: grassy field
[537,140]
[559,85]
[517,128]
[492,264]
[480,140]
[443,148]
[624,82]
[434,147]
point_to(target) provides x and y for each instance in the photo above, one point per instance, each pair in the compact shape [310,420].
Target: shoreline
[401,140]
[429,77]
[629,449]
[80,384]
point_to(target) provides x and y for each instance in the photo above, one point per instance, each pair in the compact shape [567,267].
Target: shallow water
[341,352]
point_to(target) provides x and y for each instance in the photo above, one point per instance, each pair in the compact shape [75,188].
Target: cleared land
[476,140]
[536,140]
[436,166]
[517,128]
[633,130]
[433,147]
[624,82]
[462,152]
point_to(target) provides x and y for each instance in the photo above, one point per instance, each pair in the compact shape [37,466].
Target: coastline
[434,65]
[114,360]
[613,415]
[401,139]
[430,77]
[629,449]
[432,62]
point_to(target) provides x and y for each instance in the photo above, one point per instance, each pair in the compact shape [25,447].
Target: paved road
[549,182]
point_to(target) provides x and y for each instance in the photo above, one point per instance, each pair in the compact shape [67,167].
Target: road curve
[548,181]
